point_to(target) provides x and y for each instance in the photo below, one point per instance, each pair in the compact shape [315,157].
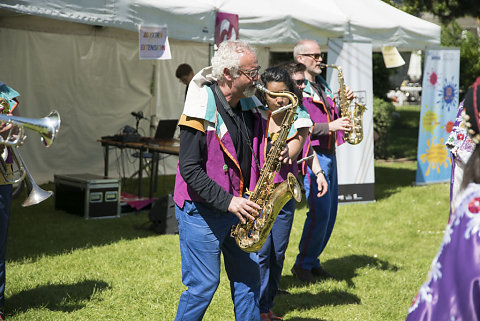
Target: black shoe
[302,274]
[282,292]
[322,274]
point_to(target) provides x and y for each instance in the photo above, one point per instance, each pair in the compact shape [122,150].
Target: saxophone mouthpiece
[261,87]
[323,65]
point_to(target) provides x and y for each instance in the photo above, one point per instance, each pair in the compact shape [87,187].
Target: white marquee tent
[81,58]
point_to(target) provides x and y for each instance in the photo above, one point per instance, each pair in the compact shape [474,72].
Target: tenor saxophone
[251,236]
[355,135]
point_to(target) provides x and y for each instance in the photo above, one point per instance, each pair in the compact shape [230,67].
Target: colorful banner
[355,163]
[226,27]
[438,112]
[153,43]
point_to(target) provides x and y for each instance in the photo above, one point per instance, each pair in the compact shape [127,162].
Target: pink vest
[318,113]
[221,165]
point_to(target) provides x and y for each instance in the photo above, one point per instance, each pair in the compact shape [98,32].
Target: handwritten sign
[392,57]
[153,43]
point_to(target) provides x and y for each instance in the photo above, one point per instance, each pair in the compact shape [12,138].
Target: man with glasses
[222,131]
[326,133]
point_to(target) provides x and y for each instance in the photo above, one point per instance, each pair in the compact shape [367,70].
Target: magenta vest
[318,113]
[221,165]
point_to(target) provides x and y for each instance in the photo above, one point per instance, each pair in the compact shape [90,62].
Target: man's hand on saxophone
[243,209]
[349,93]
[342,123]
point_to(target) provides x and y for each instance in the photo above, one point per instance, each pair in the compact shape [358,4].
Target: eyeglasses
[313,56]
[250,73]
[299,82]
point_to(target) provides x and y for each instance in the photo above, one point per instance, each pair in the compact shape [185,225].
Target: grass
[62,267]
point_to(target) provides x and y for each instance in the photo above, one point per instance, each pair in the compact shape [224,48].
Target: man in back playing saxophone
[222,131]
[326,133]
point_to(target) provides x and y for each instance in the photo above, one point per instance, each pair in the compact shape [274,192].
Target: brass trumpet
[48,128]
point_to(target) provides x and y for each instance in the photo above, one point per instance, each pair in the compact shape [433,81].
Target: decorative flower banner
[438,112]
[153,43]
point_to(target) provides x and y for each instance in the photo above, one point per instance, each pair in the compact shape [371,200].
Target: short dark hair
[183,70]
[276,74]
[293,67]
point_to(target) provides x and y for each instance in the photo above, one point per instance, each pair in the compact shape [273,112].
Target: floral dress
[452,291]
[459,142]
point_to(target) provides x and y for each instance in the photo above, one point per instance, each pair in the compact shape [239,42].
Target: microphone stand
[136,125]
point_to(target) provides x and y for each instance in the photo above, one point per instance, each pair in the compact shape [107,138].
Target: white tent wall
[94,78]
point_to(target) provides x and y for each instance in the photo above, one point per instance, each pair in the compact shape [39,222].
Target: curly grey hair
[228,56]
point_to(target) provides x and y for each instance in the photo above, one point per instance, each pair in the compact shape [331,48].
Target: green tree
[381,82]
[411,7]
[445,10]
[454,36]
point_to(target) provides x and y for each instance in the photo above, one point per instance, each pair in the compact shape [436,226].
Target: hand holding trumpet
[12,136]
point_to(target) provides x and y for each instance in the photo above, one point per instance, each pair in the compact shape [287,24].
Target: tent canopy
[384,25]
[281,22]
[186,20]
[265,23]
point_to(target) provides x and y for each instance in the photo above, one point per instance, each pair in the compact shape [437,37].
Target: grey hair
[300,48]
[228,56]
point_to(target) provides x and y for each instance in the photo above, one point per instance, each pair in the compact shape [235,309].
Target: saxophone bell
[355,135]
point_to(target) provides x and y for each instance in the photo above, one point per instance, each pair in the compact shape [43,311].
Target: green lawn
[62,267]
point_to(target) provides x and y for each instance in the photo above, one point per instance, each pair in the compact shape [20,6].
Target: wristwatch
[320,171]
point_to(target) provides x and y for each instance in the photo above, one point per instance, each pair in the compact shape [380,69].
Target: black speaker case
[162,216]
[88,195]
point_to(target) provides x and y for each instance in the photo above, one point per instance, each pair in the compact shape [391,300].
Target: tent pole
[155,91]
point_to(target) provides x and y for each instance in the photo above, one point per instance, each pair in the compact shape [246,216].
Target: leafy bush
[381,82]
[383,119]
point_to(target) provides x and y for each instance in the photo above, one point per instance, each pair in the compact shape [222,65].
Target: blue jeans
[5,198]
[272,255]
[321,216]
[204,234]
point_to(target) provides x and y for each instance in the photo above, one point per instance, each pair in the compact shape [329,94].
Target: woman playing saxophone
[271,256]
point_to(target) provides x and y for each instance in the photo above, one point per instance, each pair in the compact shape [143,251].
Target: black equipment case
[87,195]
